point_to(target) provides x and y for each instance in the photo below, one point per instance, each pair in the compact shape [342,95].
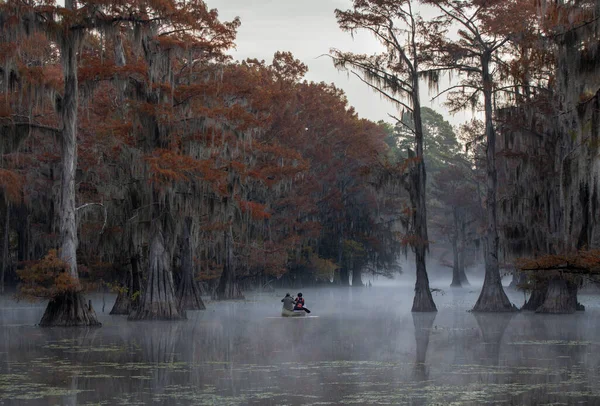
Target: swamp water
[365,347]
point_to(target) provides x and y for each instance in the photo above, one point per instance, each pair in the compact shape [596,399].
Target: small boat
[292,313]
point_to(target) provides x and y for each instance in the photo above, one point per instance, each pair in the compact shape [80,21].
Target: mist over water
[363,347]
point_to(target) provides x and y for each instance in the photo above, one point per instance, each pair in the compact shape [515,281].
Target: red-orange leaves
[11,184]
[46,278]
[258,211]
[169,166]
[583,261]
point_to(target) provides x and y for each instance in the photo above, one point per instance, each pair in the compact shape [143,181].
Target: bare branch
[384,93]
[83,206]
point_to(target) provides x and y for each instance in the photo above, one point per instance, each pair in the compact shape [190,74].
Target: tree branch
[83,206]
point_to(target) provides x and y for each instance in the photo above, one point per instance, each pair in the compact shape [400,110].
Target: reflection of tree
[459,339]
[564,331]
[492,327]
[423,323]
[158,340]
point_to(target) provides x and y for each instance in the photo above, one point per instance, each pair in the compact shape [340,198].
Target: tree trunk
[455,259]
[228,287]
[5,248]
[344,274]
[461,269]
[136,282]
[357,275]
[69,309]
[461,252]
[492,297]
[519,278]
[23,233]
[122,304]
[188,291]
[455,273]
[561,297]
[128,300]
[536,299]
[158,299]
[423,301]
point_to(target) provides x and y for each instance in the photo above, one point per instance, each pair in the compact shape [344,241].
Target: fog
[360,346]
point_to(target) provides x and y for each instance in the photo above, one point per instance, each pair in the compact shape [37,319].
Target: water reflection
[492,327]
[373,352]
[423,323]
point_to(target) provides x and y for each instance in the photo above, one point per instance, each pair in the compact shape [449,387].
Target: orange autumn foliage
[583,261]
[257,210]
[46,278]
[11,184]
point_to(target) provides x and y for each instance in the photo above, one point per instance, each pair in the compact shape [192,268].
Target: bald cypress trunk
[561,297]
[461,243]
[228,287]
[461,269]
[423,301]
[536,299]
[492,297]
[158,299]
[69,309]
[5,248]
[456,282]
[123,303]
[357,275]
[344,275]
[188,291]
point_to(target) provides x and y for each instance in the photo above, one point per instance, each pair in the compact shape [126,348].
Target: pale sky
[308,29]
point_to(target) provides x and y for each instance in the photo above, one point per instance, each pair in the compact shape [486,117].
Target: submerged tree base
[232,292]
[188,296]
[423,301]
[536,299]
[158,311]
[69,310]
[561,298]
[122,304]
[493,299]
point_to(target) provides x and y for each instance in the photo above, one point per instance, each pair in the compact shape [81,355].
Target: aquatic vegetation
[552,342]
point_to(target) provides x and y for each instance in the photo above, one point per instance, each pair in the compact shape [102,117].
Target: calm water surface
[364,348]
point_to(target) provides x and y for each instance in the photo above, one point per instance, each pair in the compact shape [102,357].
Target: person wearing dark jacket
[300,303]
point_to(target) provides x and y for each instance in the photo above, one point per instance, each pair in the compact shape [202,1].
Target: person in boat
[300,303]
[288,302]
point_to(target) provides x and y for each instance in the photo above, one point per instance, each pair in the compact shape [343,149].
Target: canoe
[292,313]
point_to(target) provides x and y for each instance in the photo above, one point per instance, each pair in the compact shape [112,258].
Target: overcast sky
[308,29]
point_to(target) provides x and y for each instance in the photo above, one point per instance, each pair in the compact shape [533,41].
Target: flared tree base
[228,295]
[423,301]
[122,304]
[536,299]
[69,310]
[228,290]
[493,299]
[561,298]
[158,311]
[188,297]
